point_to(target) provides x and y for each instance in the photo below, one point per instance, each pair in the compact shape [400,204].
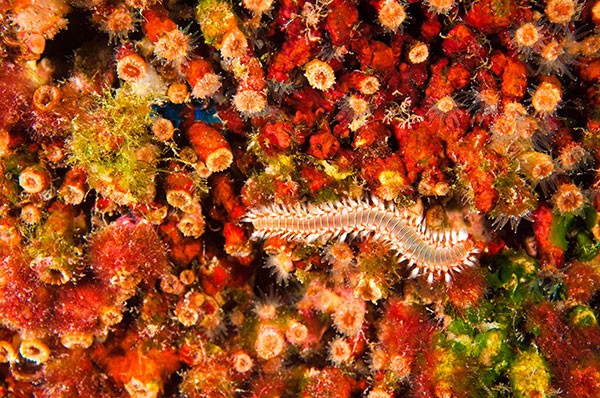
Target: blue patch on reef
[207,114]
[171,111]
[175,113]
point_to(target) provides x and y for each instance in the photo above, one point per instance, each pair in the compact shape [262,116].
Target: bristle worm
[433,254]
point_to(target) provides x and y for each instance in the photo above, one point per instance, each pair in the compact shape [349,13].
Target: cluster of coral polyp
[138,137]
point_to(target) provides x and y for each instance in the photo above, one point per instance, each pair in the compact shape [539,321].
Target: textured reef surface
[299,198]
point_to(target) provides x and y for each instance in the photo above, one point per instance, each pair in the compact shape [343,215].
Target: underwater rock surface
[324,198]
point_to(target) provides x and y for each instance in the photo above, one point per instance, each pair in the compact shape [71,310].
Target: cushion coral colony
[299,198]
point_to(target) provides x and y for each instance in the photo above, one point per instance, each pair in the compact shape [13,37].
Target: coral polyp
[299,198]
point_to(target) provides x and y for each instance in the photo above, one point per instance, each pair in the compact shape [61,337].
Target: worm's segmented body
[435,254]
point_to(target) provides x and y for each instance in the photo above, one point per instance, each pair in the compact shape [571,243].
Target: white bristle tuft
[430,278]
[414,273]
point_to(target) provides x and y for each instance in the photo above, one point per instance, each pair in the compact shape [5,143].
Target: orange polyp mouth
[219,160]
